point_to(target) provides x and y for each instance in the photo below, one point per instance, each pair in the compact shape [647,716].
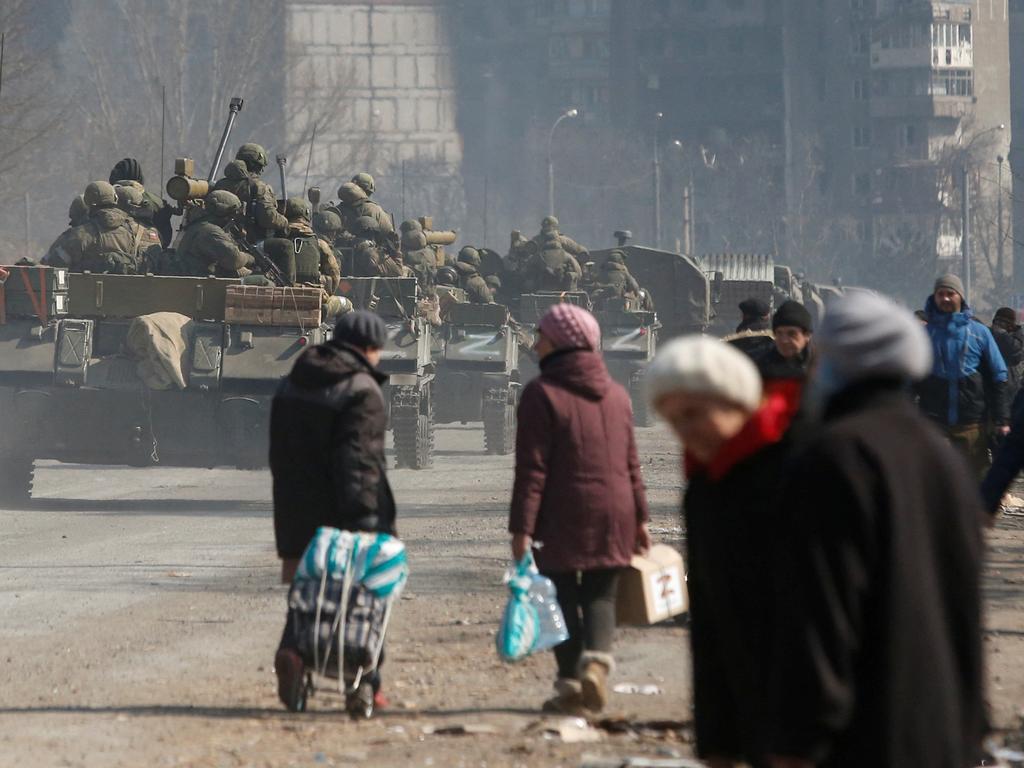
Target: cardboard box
[653,588]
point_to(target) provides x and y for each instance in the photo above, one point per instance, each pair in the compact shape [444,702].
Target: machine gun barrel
[233,109]
[282,161]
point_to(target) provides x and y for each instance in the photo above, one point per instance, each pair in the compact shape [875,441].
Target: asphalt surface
[141,610]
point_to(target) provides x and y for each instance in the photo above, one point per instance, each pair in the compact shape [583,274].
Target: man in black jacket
[327,427]
[878,659]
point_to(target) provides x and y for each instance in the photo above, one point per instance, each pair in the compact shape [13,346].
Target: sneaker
[291,686]
[568,699]
[594,682]
[359,703]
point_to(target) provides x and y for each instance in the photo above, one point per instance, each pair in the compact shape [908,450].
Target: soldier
[131,199]
[494,283]
[615,281]
[206,246]
[260,218]
[303,256]
[154,212]
[109,242]
[364,181]
[552,269]
[328,225]
[549,227]
[468,267]
[418,256]
[78,214]
[354,202]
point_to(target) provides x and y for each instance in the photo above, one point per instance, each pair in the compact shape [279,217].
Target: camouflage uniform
[549,227]
[78,214]
[327,224]
[206,247]
[354,203]
[259,218]
[109,242]
[475,286]
[418,256]
[153,211]
[303,256]
[131,199]
[616,281]
[552,269]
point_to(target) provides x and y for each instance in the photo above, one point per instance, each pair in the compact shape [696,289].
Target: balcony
[885,107]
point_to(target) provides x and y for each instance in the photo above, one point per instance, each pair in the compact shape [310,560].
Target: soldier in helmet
[328,225]
[364,181]
[417,255]
[131,200]
[552,268]
[468,267]
[153,211]
[549,228]
[78,214]
[110,241]
[259,218]
[615,281]
[206,247]
[494,283]
[354,203]
[302,256]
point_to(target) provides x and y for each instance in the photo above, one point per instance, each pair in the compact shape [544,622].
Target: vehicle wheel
[16,476]
[499,422]
[412,422]
[638,394]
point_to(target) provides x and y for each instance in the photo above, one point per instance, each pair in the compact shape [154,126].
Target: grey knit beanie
[702,365]
[866,336]
[952,282]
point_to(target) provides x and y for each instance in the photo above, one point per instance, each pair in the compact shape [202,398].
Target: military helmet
[411,225]
[327,222]
[493,282]
[253,155]
[364,181]
[351,193]
[78,210]
[128,196]
[548,223]
[414,240]
[222,203]
[470,255]
[298,208]
[365,225]
[616,257]
[447,275]
[100,194]
[127,169]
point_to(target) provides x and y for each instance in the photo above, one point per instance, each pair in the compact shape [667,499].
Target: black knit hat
[754,308]
[793,313]
[127,169]
[1005,315]
[361,329]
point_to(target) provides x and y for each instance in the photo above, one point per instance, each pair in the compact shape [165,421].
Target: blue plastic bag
[532,620]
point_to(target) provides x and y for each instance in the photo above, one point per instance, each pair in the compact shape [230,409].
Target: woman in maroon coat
[579,495]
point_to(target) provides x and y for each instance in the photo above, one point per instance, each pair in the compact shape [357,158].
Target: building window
[861,136]
[860,43]
[862,184]
[860,89]
[908,135]
[953,82]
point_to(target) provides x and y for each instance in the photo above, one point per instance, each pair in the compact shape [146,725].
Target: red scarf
[765,427]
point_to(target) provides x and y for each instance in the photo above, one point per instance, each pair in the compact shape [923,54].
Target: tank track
[16,479]
[499,421]
[638,395]
[412,424]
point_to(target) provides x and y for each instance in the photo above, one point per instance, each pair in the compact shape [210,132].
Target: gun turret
[234,107]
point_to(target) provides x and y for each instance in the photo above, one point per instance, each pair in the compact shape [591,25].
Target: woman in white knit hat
[711,395]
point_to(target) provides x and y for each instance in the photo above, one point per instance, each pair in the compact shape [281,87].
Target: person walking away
[1009,338]
[878,653]
[327,425]
[578,491]
[967,383]
[711,396]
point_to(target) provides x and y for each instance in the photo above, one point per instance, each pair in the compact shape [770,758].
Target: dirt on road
[141,610]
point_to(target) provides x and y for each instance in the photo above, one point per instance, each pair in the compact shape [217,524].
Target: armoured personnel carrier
[407,359]
[139,369]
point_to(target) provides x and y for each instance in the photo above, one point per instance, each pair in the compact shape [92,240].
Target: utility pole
[485,208]
[965,231]
[999,219]
[687,216]
[657,183]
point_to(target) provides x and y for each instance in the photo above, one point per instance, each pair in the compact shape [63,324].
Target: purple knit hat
[571,327]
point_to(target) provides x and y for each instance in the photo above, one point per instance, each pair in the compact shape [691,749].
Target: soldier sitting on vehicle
[328,225]
[494,283]
[549,227]
[207,247]
[131,200]
[370,260]
[552,269]
[418,256]
[473,284]
[153,211]
[260,218]
[354,203]
[615,280]
[78,214]
[304,258]
[110,241]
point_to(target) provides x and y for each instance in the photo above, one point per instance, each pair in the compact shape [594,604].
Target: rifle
[265,264]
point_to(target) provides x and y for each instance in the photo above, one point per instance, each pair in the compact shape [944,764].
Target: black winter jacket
[878,660]
[327,427]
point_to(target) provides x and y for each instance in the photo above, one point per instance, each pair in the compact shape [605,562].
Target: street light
[999,216]
[572,112]
[657,182]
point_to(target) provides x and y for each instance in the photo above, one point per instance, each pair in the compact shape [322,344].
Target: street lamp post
[999,217]
[573,112]
[657,183]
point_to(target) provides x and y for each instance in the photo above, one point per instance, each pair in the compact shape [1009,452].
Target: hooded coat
[327,426]
[578,487]
[969,376]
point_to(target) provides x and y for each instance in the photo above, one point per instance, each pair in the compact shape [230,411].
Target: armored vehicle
[138,369]
[478,374]
[740,276]
[407,359]
[629,339]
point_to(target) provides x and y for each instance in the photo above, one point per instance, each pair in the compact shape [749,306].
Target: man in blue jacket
[967,389]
